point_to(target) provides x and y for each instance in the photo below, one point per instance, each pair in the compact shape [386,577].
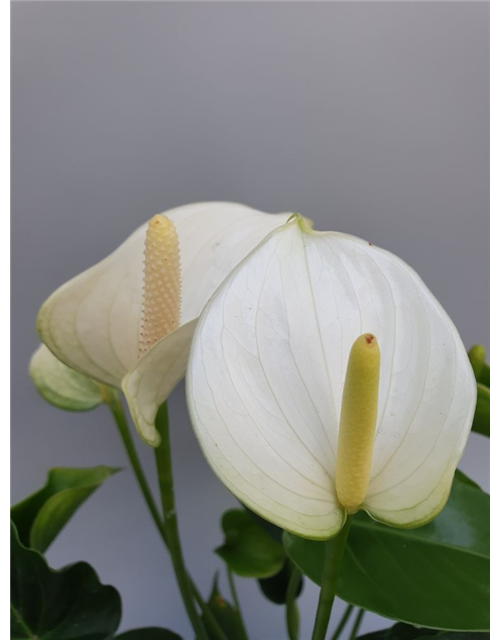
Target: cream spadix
[161,284]
[358,420]
[93,323]
[266,383]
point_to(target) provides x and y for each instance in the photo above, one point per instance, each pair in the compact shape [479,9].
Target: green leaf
[403,631]
[148,633]
[249,550]
[481,422]
[41,516]
[62,386]
[275,532]
[70,604]
[436,576]
[274,588]
[490,376]
[225,614]
[477,356]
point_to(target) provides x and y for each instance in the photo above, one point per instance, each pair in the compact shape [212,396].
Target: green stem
[236,602]
[343,621]
[164,466]
[357,624]
[124,431]
[291,610]
[211,621]
[334,552]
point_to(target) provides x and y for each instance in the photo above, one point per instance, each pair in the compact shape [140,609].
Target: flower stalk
[333,560]
[165,477]
[116,408]
[343,621]
[291,609]
[236,602]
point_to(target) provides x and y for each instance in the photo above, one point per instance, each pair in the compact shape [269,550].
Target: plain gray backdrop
[369,118]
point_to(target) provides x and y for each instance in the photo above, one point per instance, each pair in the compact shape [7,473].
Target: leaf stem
[343,621]
[333,559]
[163,458]
[291,610]
[357,624]
[124,431]
[236,602]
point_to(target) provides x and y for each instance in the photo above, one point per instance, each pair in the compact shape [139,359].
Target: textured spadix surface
[93,322]
[266,376]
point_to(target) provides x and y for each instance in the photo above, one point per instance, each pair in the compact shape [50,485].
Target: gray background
[369,118]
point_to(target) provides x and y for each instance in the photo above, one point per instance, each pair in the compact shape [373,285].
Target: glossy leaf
[148,633]
[275,587]
[225,614]
[249,550]
[41,516]
[70,604]
[403,631]
[436,576]
[62,386]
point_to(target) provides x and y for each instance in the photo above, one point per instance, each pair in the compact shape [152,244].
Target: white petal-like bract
[62,386]
[266,375]
[92,323]
[154,377]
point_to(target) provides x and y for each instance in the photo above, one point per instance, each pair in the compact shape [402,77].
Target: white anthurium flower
[286,429]
[128,321]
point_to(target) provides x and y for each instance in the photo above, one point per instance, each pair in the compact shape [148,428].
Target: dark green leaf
[249,550]
[41,516]
[148,633]
[436,576]
[403,631]
[70,604]
[495,566]
[461,477]
[274,588]
[460,635]
[225,614]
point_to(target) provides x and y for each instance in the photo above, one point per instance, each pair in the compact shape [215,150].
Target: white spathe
[92,323]
[62,386]
[266,375]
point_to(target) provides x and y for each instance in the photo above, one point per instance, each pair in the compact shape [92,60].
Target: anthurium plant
[329,392]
